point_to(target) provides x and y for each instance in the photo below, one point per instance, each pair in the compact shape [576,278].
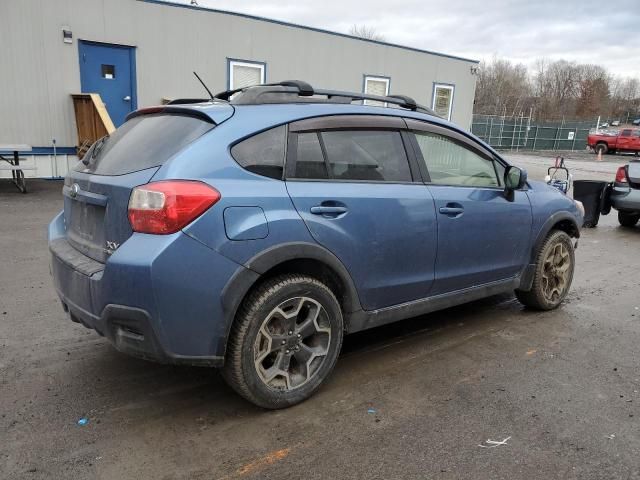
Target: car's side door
[483,233]
[635,141]
[625,140]
[355,183]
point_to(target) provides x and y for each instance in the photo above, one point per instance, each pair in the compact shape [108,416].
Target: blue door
[483,233]
[483,237]
[363,205]
[109,70]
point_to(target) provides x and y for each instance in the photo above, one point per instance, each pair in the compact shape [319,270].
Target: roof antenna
[203,84]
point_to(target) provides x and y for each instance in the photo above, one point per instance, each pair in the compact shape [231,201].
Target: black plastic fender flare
[246,277]
[526,279]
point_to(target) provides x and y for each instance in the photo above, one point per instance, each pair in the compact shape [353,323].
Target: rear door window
[263,153]
[143,142]
[310,162]
[366,155]
[357,155]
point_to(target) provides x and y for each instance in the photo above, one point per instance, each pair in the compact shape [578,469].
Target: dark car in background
[625,194]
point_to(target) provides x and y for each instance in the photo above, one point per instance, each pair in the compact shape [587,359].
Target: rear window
[142,142]
[263,153]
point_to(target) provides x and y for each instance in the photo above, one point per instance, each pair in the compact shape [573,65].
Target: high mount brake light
[621,175]
[167,206]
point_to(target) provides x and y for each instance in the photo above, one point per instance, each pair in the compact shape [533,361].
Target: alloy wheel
[292,343]
[555,272]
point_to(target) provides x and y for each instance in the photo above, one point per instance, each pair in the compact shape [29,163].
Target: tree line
[555,89]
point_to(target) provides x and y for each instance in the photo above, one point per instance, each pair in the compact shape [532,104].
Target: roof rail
[301,87]
[304,89]
[298,91]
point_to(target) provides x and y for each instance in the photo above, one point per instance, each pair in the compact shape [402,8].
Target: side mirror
[514,178]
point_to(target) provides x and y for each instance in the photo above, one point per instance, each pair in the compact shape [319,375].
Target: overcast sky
[587,31]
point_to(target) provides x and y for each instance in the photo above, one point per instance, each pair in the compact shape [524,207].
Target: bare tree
[594,91]
[625,97]
[502,87]
[555,89]
[364,31]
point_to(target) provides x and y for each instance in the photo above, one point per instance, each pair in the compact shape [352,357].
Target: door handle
[333,211]
[127,98]
[452,209]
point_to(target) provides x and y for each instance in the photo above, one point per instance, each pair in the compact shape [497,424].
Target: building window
[443,100]
[108,71]
[376,86]
[244,74]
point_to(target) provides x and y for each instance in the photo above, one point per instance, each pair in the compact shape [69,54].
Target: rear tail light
[167,206]
[621,175]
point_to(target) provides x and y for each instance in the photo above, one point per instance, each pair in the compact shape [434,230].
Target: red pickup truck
[627,140]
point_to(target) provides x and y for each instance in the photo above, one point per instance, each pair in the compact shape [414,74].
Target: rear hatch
[97,191]
[633,173]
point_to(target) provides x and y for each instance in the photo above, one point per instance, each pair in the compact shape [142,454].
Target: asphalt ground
[411,400]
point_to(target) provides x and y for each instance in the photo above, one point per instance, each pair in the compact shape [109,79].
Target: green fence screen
[522,133]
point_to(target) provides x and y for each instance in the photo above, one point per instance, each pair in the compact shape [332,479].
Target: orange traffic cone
[599,159]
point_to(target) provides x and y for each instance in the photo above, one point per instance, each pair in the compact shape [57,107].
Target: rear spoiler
[171,109]
[210,112]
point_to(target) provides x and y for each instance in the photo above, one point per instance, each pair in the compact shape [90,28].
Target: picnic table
[13,164]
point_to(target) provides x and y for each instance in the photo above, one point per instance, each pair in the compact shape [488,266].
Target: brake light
[167,206]
[621,175]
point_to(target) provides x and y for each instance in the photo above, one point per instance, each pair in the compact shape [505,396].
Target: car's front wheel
[284,342]
[553,275]
[627,219]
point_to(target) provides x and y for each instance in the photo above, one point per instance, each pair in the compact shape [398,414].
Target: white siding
[172,42]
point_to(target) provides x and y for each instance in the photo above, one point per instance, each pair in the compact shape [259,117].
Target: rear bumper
[625,198]
[130,330]
[158,297]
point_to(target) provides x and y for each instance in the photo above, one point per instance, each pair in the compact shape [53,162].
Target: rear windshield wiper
[96,150]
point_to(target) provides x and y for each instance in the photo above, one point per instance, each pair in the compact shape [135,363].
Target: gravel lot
[562,385]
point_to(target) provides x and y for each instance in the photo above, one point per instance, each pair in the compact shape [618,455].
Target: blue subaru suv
[254,230]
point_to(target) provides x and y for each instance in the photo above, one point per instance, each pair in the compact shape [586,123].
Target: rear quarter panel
[209,160]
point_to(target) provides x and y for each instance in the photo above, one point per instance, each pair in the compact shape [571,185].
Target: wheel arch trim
[555,220]
[246,277]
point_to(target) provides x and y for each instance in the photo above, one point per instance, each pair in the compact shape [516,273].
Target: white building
[135,53]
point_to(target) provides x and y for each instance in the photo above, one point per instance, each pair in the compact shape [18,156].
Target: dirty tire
[558,245]
[602,148]
[627,219]
[255,360]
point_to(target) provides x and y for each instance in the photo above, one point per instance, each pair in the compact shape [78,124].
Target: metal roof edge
[305,27]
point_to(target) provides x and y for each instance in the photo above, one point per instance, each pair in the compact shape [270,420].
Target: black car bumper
[130,331]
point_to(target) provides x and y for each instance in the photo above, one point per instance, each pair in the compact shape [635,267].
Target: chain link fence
[523,133]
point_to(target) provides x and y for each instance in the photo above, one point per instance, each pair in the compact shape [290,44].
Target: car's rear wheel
[553,273]
[284,342]
[602,148]
[627,219]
